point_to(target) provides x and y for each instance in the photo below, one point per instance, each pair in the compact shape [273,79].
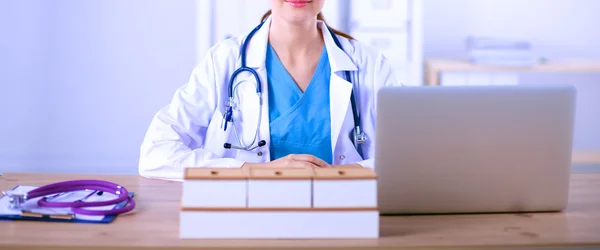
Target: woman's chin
[300,18]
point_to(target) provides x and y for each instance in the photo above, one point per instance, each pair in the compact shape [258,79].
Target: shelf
[434,67]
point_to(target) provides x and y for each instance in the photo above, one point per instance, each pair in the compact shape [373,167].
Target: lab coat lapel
[339,97]
[340,89]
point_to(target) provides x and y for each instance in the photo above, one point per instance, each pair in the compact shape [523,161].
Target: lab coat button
[342,157]
[260,153]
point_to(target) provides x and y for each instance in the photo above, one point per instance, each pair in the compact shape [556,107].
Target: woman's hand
[292,161]
[348,166]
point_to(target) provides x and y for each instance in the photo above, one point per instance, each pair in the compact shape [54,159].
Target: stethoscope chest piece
[359,138]
[15,199]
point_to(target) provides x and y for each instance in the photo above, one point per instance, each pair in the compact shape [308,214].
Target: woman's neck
[294,39]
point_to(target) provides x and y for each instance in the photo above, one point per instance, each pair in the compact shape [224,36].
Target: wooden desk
[154,225]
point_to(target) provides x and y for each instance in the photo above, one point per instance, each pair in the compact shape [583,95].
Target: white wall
[21,75]
[559,29]
[80,80]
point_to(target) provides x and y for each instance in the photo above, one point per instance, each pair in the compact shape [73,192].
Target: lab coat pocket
[216,137]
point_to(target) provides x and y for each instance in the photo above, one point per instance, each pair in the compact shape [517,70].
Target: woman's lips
[298,4]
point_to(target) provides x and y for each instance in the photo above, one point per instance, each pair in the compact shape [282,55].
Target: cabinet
[379,14]
[394,27]
[333,13]
[217,20]
[231,21]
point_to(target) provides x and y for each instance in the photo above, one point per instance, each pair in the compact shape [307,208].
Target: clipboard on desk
[32,212]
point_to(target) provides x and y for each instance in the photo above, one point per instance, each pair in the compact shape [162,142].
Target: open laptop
[474,149]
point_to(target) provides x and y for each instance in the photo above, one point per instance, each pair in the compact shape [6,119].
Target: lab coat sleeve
[383,76]
[176,135]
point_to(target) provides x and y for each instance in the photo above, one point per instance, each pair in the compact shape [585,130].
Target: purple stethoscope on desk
[17,199]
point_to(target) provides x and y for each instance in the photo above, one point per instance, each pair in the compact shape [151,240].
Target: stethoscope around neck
[357,134]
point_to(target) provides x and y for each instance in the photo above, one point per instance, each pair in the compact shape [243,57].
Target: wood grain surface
[154,224]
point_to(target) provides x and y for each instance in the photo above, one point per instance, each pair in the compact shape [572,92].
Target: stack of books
[500,51]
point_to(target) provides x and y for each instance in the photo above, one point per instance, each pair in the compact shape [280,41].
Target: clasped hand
[292,161]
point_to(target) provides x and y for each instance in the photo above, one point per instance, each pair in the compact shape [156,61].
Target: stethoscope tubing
[77,206]
[228,117]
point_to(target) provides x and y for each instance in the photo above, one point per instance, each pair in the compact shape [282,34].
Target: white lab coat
[188,132]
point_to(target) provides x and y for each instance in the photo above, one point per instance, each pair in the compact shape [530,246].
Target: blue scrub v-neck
[299,122]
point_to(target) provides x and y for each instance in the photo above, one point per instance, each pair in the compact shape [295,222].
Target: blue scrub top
[299,122]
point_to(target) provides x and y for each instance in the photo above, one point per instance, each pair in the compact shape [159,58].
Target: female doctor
[291,93]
